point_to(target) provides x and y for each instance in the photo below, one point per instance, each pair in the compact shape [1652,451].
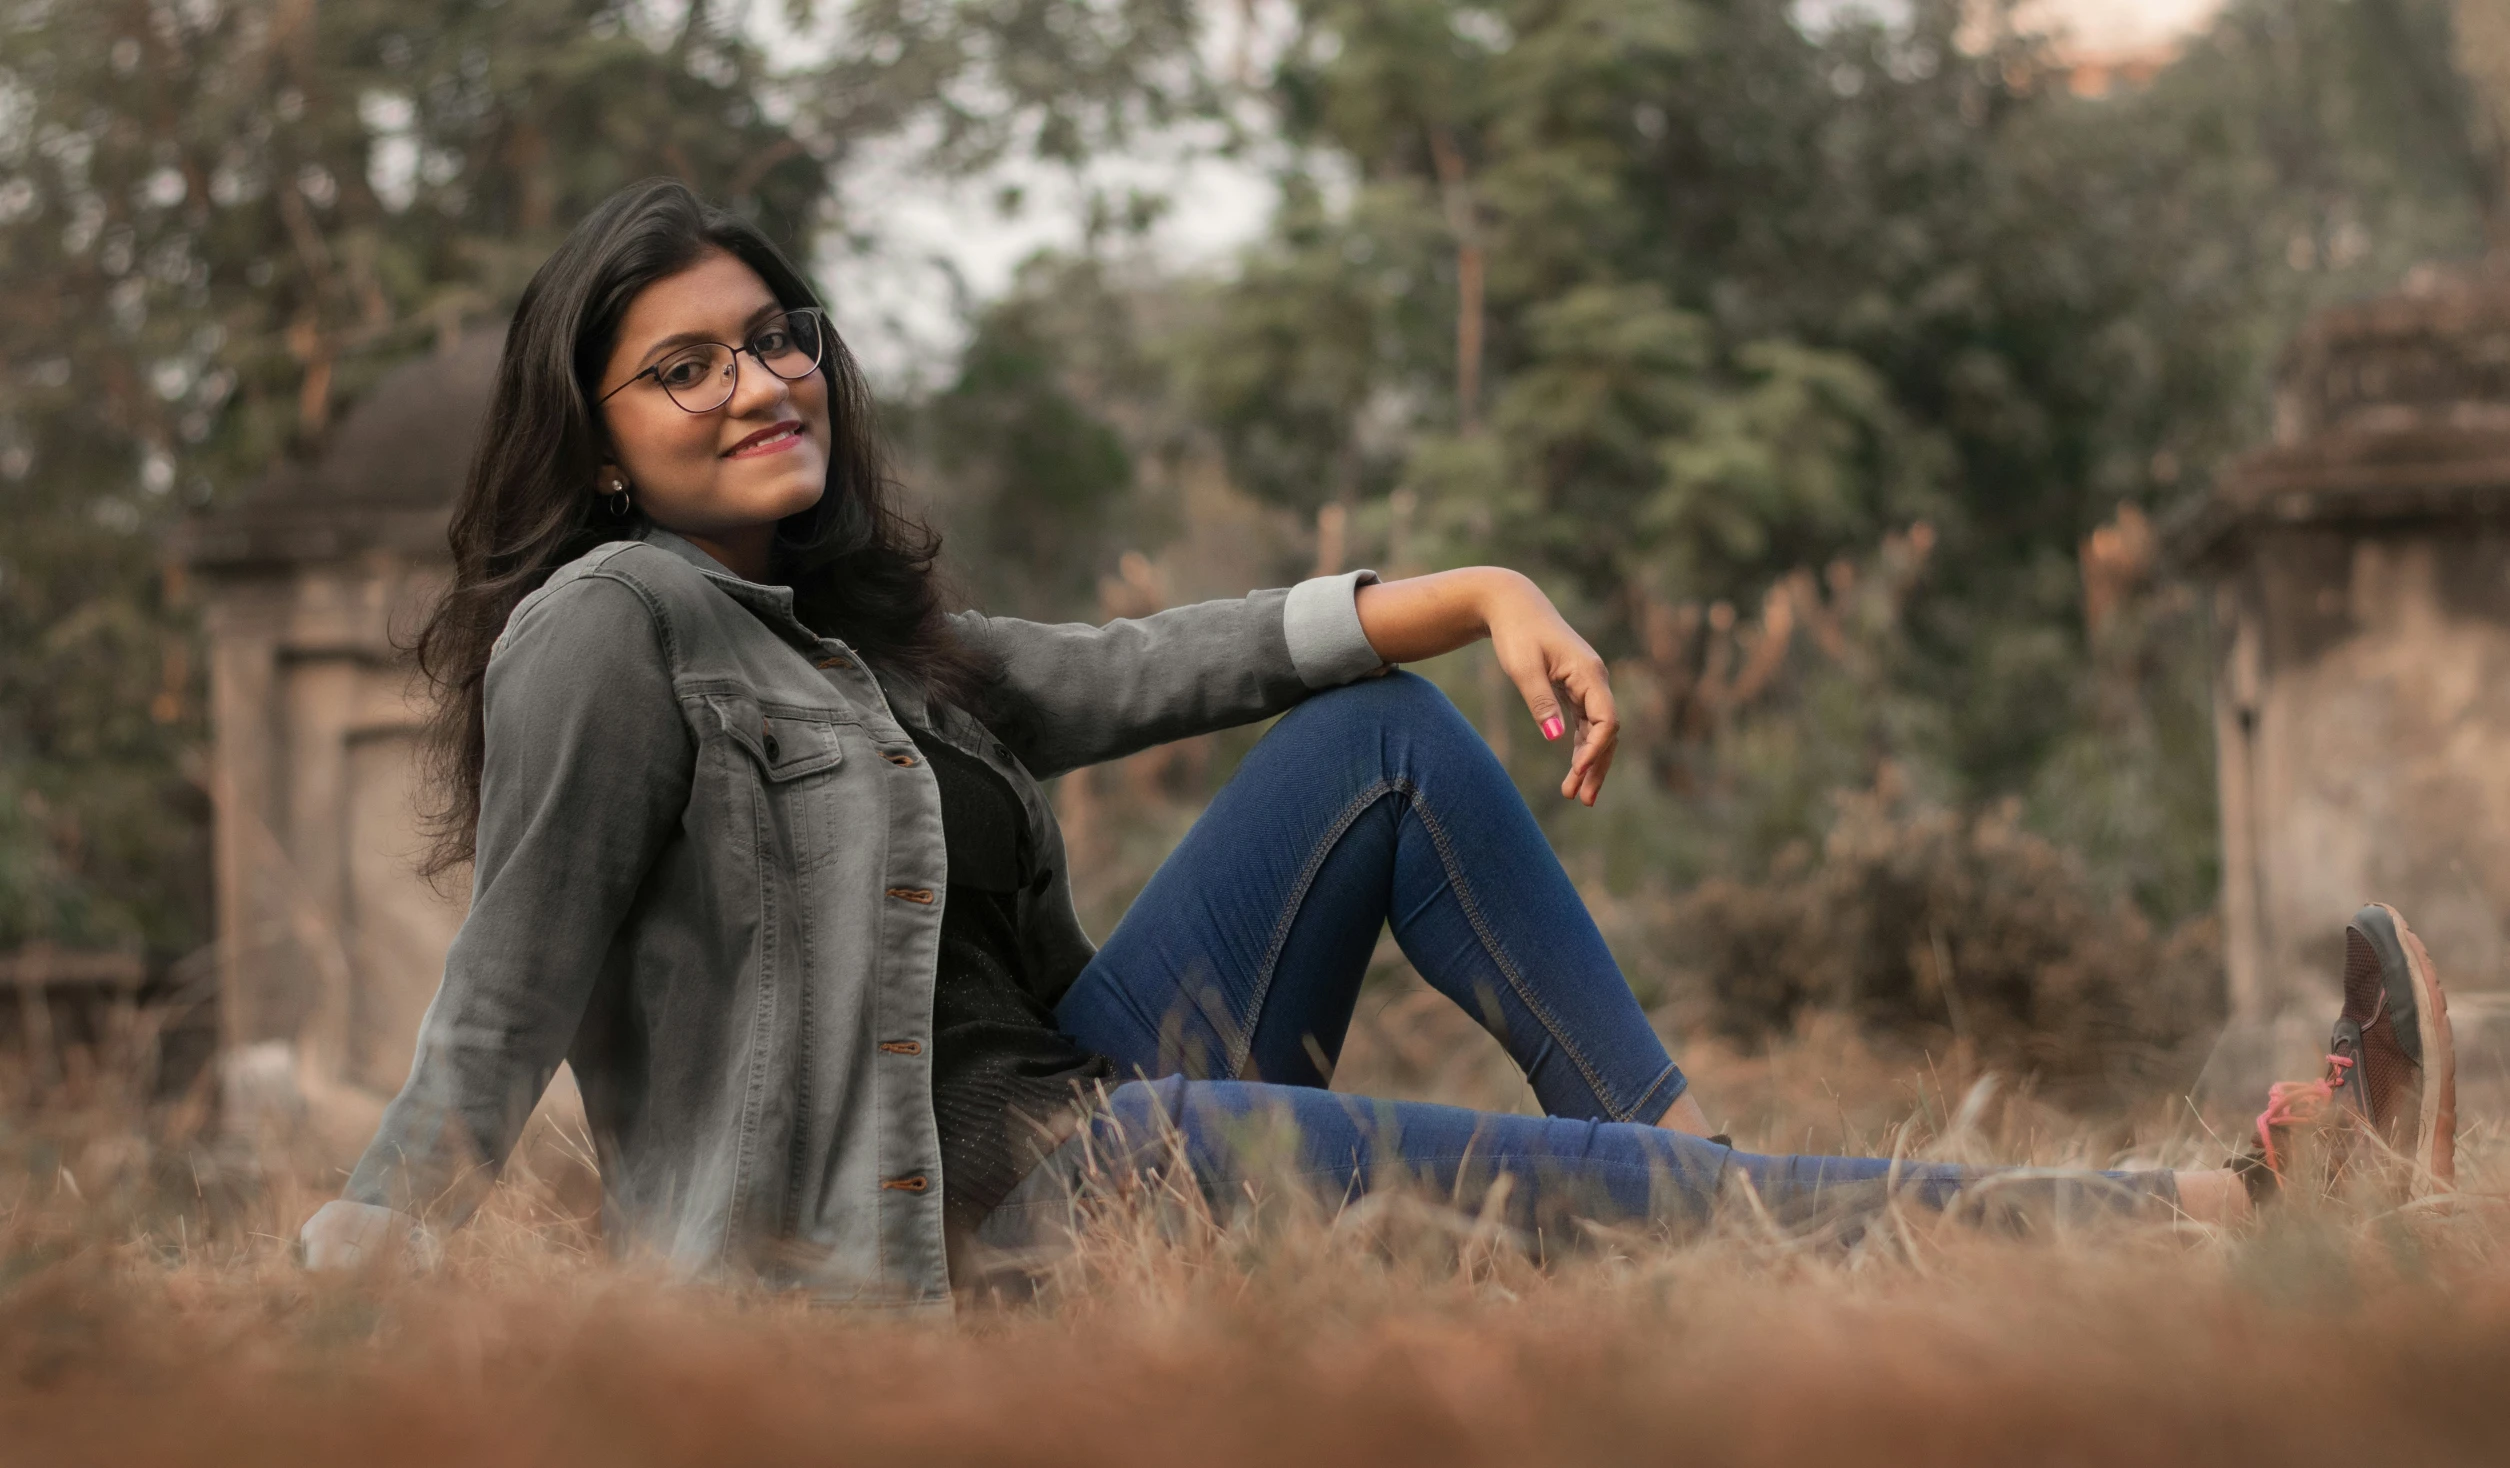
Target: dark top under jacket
[1002,1072]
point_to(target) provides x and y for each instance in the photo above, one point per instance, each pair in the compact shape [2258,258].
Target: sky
[942,243]
[2128,25]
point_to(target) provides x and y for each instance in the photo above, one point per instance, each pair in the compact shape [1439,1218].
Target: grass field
[150,1312]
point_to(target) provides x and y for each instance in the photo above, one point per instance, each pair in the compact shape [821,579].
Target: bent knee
[1389,700]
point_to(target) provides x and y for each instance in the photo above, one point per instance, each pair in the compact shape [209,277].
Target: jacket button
[912,894]
[775,751]
[913,1183]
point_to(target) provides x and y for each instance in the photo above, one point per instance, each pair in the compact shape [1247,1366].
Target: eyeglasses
[702,376]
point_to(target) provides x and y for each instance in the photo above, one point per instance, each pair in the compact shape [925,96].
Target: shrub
[1932,922]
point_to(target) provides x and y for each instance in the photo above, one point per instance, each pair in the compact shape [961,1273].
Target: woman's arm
[1423,616]
[1076,695]
[1083,694]
[588,772]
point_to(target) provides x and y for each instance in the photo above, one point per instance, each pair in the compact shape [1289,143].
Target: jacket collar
[774,601]
[774,606]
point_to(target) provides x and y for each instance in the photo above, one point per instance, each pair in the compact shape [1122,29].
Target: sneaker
[2387,1108]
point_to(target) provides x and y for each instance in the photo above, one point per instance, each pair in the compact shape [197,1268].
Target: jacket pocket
[786,744]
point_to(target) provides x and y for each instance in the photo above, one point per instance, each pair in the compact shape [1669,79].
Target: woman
[759,847]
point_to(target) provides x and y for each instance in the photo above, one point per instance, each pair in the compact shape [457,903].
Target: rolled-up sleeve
[1321,620]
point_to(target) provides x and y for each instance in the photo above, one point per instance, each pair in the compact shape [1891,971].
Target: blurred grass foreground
[2038,480]
[151,1311]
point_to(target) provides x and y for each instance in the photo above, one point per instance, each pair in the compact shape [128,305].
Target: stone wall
[2366,755]
[2361,566]
[330,942]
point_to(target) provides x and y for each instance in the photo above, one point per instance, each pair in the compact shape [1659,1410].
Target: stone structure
[2361,567]
[330,944]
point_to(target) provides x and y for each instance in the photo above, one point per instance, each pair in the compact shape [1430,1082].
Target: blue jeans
[1229,986]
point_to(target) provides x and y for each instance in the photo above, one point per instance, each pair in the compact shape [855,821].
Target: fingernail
[1552,727]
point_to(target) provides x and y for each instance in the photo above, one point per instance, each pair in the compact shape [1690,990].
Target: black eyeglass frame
[816,316]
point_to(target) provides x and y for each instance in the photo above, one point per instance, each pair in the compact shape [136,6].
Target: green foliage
[221,221]
[1035,478]
[1932,923]
[1661,300]
[1285,367]
[1702,223]
[103,842]
[1746,296]
[1057,80]
[217,222]
[2129,787]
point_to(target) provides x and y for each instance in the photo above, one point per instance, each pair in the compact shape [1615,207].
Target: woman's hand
[343,1236]
[1545,658]
[1423,616]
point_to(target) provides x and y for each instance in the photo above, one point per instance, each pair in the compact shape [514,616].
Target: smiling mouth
[766,440]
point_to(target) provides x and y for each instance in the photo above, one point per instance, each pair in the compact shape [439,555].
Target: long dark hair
[859,567]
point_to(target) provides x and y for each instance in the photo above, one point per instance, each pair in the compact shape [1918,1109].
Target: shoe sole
[2436,1129]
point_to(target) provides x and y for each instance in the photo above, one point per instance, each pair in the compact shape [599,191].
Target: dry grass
[149,1313]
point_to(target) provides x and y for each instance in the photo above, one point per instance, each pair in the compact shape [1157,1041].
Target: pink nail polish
[1552,727]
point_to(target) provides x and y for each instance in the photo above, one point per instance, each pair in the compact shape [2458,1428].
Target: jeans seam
[1242,1045]
[1671,1072]
[1498,956]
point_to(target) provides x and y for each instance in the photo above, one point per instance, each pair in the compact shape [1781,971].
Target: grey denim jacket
[710,876]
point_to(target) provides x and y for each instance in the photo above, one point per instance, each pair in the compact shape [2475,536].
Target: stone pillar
[312,583]
[2362,604]
[243,631]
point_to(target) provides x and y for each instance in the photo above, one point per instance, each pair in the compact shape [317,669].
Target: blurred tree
[1028,480]
[2482,51]
[1663,298]
[216,222]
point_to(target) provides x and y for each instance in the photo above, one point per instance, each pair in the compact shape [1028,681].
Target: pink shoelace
[2291,1102]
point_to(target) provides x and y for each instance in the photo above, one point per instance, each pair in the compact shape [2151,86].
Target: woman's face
[724,477]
